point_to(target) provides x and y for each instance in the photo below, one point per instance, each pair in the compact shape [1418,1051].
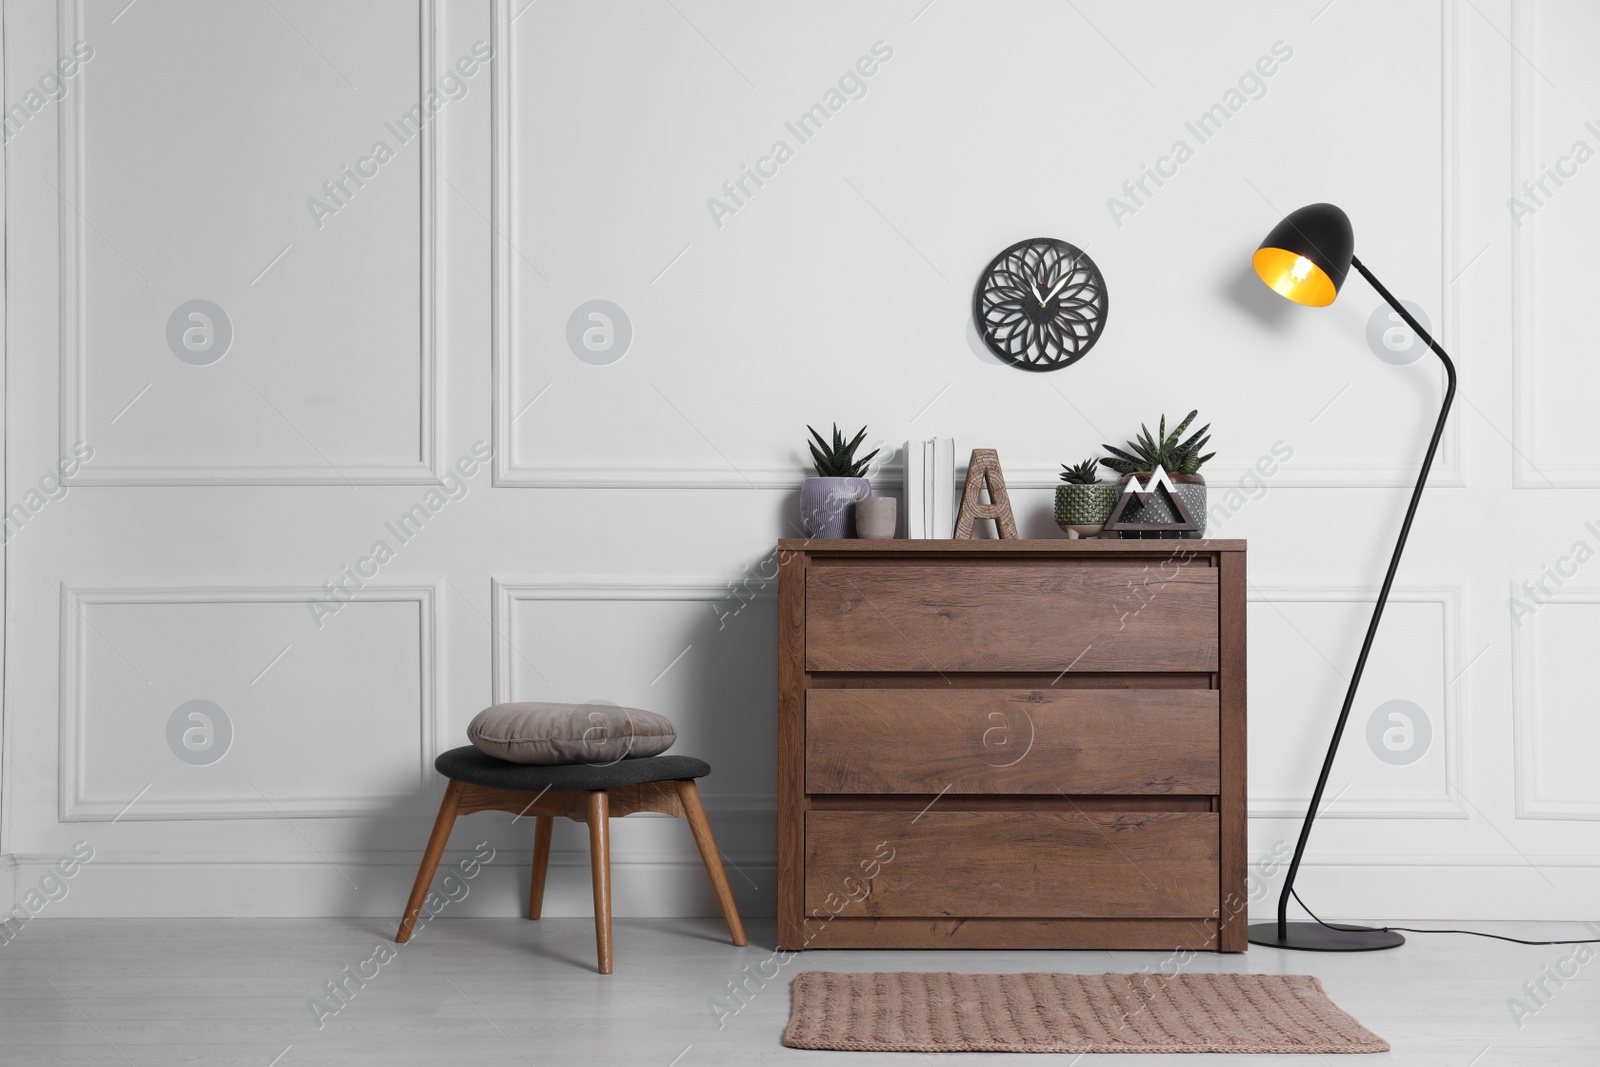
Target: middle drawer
[1010,741]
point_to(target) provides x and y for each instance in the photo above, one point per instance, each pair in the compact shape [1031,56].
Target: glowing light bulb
[1301,269]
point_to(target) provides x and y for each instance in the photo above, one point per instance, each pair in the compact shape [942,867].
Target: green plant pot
[1082,509]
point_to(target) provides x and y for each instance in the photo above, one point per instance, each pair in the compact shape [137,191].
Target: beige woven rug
[945,1012]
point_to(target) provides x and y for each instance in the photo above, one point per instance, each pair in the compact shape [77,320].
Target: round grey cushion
[544,733]
[467,764]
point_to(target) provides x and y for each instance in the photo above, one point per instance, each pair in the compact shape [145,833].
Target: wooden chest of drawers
[1011,744]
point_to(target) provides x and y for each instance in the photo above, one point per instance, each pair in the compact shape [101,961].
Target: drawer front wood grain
[1011,741]
[1039,865]
[954,616]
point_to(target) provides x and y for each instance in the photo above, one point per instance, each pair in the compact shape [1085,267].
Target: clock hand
[1064,278]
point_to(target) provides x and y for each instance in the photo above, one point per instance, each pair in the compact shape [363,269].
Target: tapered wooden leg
[599,816]
[541,863]
[689,795]
[430,858]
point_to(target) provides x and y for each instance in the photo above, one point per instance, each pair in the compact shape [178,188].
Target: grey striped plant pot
[1083,509]
[828,505]
[1191,490]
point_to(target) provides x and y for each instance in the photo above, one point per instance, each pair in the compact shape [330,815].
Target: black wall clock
[1041,304]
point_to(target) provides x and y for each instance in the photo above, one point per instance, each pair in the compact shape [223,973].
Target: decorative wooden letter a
[984,470]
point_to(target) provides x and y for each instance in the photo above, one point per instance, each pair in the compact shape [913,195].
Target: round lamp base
[1315,937]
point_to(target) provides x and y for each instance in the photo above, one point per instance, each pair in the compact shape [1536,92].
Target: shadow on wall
[731,676]
[1245,292]
[724,704]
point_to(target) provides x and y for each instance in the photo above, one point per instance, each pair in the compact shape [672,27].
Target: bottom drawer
[1011,864]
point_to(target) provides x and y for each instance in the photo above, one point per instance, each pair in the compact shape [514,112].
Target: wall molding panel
[1526,472]
[1531,802]
[76,230]
[511,396]
[78,631]
[1445,805]
[1530,470]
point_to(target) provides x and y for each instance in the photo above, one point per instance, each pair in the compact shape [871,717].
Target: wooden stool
[583,793]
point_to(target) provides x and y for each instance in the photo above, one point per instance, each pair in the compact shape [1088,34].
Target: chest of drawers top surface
[1058,547]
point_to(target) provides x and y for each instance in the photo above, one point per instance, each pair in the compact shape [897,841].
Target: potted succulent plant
[1181,459]
[1083,502]
[827,502]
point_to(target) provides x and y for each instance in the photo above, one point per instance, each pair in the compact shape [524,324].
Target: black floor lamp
[1305,259]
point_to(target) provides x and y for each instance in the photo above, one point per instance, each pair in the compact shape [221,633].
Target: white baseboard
[1357,887]
[378,884]
[8,883]
[1441,889]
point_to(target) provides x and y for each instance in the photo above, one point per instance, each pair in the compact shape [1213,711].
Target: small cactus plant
[1164,450]
[1179,457]
[828,501]
[837,460]
[1085,473]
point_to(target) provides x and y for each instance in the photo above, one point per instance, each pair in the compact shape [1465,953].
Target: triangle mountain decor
[1159,481]
[983,472]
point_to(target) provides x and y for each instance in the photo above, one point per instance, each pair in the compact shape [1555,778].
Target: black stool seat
[467,764]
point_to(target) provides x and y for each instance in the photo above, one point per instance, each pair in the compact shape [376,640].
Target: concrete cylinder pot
[1082,508]
[827,505]
[876,516]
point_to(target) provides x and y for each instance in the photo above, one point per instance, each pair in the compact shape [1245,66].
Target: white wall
[607,550]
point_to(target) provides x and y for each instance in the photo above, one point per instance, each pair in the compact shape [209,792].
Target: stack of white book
[931,488]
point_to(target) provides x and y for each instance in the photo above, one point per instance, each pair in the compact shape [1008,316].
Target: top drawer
[1022,616]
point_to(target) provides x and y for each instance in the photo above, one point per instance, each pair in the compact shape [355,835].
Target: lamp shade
[1306,256]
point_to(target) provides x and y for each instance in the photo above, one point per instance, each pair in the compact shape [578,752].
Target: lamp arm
[1383,593]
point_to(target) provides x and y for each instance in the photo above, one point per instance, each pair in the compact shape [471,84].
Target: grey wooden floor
[507,991]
